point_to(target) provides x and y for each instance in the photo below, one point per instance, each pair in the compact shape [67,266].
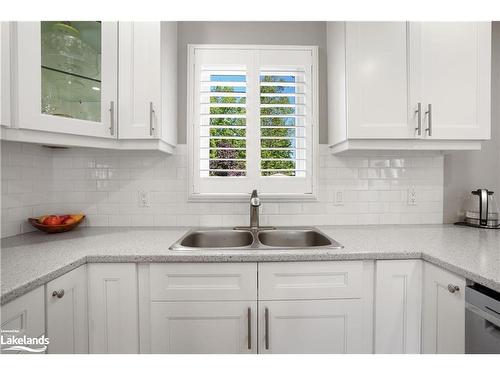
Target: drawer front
[203,281]
[310,280]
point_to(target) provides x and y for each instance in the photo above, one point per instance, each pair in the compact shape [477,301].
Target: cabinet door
[140,79]
[5,73]
[398,296]
[113,308]
[66,302]
[148,80]
[377,80]
[311,327]
[25,316]
[451,71]
[228,327]
[443,328]
[67,77]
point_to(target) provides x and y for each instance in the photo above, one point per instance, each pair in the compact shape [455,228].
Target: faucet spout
[254,210]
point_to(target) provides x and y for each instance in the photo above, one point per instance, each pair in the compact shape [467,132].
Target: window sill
[245,197]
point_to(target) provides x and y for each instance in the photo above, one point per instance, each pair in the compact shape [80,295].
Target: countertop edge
[236,258]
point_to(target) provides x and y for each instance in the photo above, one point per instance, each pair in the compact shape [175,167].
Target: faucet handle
[254,199]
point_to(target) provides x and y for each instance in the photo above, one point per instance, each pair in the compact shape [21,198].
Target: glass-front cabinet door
[67,76]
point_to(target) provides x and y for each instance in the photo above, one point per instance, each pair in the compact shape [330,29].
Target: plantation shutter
[285,121]
[221,121]
[252,121]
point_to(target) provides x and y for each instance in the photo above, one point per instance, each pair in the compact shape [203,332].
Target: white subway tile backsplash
[105,184]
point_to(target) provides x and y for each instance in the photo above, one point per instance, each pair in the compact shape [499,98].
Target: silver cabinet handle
[249,327]
[112,118]
[429,120]
[151,119]
[58,293]
[418,112]
[266,317]
[453,288]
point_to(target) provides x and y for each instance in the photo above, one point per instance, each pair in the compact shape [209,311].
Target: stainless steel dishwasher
[482,320]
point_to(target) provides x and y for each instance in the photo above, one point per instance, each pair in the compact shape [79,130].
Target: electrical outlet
[338,197]
[412,197]
[144,199]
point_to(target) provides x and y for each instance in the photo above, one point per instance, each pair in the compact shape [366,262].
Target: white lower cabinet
[66,303]
[398,296]
[443,330]
[23,316]
[311,327]
[385,306]
[113,308]
[224,327]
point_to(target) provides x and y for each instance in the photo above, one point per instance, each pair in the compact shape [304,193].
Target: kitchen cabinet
[376,72]
[309,307]
[5,72]
[66,303]
[398,301]
[314,307]
[24,316]
[223,327]
[311,326]
[67,77]
[93,84]
[113,308]
[451,72]
[148,80]
[408,86]
[199,308]
[443,321]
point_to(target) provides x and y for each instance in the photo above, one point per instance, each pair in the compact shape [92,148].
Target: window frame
[191,117]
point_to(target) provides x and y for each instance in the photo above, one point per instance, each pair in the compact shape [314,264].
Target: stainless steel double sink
[257,239]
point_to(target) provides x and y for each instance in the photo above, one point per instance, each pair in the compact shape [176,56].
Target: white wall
[467,171]
[26,185]
[104,185]
[281,33]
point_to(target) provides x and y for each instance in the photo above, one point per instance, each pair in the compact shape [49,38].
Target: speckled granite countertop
[33,259]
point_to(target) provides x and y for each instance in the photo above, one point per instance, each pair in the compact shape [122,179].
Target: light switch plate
[144,200]
[338,197]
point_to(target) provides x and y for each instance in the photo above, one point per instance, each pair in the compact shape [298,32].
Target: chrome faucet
[254,210]
[254,214]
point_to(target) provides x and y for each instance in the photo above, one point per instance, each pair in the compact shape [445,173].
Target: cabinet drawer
[25,314]
[310,280]
[203,281]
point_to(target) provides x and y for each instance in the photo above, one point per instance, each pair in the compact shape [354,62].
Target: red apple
[52,220]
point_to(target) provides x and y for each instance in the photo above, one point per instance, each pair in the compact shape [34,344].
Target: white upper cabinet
[67,77]
[450,71]
[5,73]
[148,80]
[407,86]
[376,68]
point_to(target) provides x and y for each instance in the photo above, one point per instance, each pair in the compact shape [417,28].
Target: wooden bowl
[54,228]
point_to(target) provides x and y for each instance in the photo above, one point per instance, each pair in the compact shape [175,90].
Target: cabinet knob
[58,293]
[453,288]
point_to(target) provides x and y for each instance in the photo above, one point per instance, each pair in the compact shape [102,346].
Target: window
[251,120]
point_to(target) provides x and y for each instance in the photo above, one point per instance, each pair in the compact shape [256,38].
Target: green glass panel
[71,69]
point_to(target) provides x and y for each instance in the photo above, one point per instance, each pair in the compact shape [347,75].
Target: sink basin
[295,238]
[217,238]
[252,239]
